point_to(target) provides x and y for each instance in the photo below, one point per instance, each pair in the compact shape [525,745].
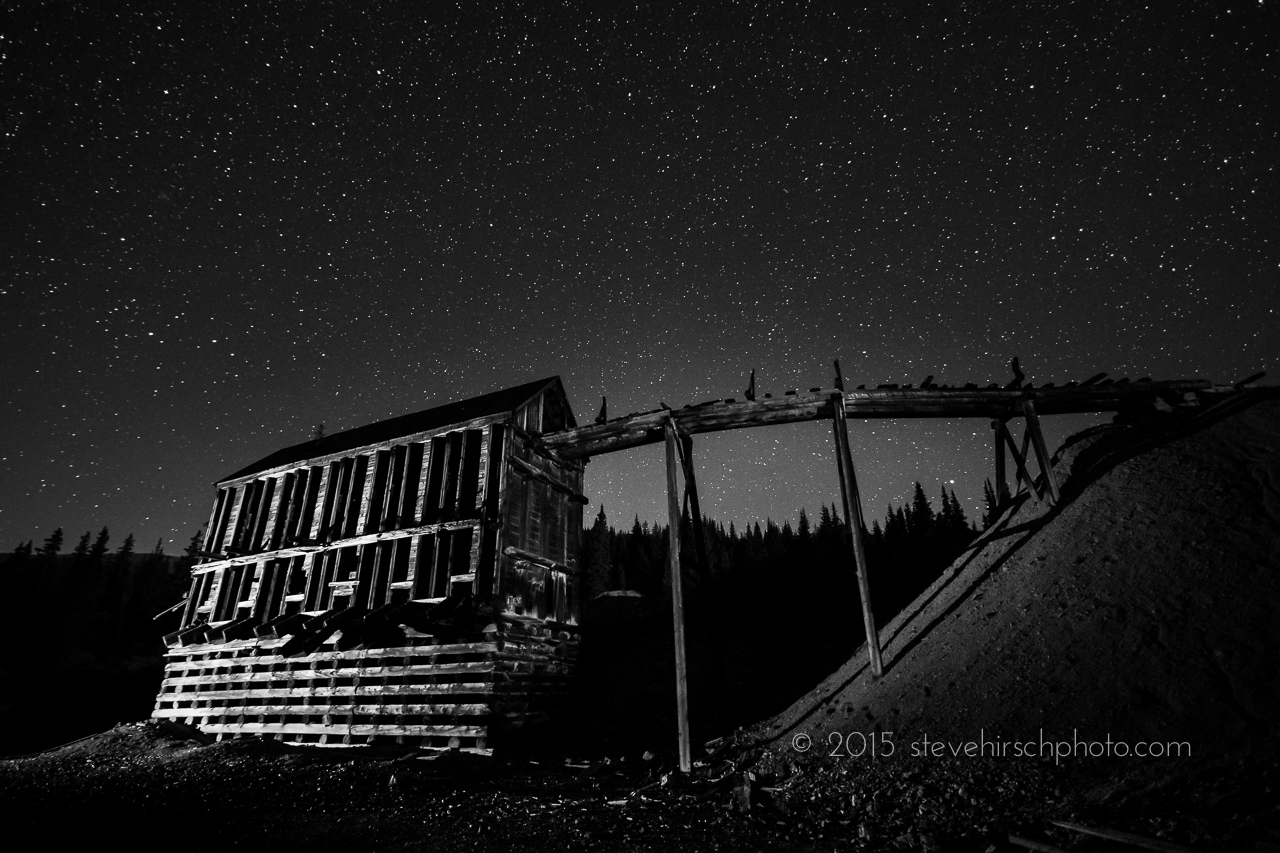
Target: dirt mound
[1139,611]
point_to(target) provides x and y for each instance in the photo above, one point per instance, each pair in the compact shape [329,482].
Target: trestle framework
[675,427]
[417,578]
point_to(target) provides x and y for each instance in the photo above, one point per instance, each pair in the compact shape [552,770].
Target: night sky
[222,226]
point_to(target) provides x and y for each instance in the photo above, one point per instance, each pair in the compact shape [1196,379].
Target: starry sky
[223,224]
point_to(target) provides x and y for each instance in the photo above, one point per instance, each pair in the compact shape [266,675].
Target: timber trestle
[1000,404]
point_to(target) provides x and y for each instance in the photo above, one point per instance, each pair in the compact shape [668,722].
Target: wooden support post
[853,521]
[685,446]
[677,596]
[1002,480]
[1042,452]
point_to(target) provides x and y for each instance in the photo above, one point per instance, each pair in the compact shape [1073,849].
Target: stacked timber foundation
[461,692]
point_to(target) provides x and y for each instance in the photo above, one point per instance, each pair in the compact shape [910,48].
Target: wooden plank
[853,523]
[524,468]
[358,502]
[363,539]
[265,501]
[491,506]
[374,496]
[211,527]
[450,688]
[240,499]
[677,597]
[340,729]
[273,496]
[1142,841]
[316,503]
[459,710]
[288,532]
[537,559]
[389,515]
[283,507]
[1038,846]
[485,666]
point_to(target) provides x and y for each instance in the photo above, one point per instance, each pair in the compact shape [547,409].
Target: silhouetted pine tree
[190,554]
[81,551]
[21,554]
[99,550]
[51,547]
[991,506]
[920,519]
[597,563]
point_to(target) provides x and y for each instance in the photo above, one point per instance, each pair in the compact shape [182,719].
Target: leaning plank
[1126,838]
[1039,846]
[853,524]
[347,542]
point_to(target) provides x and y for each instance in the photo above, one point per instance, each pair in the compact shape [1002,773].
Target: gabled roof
[495,403]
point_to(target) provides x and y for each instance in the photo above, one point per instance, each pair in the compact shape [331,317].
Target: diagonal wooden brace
[1019,459]
[684,447]
[1042,452]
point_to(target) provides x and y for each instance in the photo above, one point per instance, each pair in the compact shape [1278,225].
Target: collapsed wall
[1142,608]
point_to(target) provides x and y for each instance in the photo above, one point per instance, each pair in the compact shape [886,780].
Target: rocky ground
[152,789]
[1141,609]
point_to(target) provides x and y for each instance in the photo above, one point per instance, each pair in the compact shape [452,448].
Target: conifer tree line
[110,595]
[81,634]
[905,554]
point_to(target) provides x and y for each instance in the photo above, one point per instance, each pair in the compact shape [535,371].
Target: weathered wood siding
[338,548]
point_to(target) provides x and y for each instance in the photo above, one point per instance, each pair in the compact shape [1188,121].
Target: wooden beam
[648,427]
[524,469]
[677,596]
[536,559]
[853,521]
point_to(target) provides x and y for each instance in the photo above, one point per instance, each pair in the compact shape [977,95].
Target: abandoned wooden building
[411,579]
